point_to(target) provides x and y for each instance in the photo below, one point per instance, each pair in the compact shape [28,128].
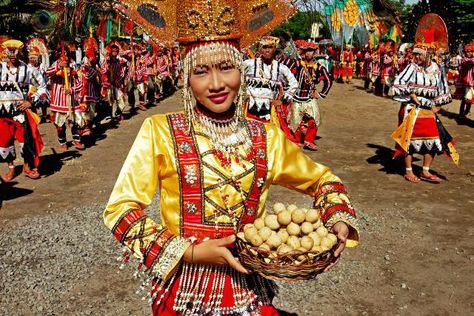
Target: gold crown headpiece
[191,21]
[269,40]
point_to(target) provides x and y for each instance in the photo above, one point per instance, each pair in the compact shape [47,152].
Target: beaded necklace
[307,78]
[226,136]
[262,72]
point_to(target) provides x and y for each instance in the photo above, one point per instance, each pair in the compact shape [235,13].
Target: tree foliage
[299,26]
[457,14]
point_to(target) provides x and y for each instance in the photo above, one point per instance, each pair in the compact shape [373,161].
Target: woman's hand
[214,252]
[435,109]
[24,106]
[415,100]
[341,230]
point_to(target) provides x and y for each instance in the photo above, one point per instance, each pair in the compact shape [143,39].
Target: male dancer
[65,88]
[16,120]
[114,70]
[304,116]
[269,82]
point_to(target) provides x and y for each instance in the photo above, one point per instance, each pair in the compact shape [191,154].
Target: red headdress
[90,46]
[431,33]
[312,45]
[469,47]
[300,43]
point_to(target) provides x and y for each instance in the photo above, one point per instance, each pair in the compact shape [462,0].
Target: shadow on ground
[8,191]
[383,156]
[455,116]
[52,163]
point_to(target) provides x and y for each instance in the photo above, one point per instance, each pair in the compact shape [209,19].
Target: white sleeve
[401,85]
[37,79]
[289,78]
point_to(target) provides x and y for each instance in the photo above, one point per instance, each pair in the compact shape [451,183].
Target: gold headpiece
[212,31]
[189,21]
[269,40]
[12,44]
[12,47]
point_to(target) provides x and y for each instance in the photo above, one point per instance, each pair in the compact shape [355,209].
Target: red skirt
[176,298]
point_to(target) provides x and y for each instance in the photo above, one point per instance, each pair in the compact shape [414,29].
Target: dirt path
[416,255]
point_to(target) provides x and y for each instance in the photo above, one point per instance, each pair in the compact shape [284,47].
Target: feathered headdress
[36,46]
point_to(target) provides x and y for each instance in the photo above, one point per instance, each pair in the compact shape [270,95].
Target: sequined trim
[169,257]
[342,216]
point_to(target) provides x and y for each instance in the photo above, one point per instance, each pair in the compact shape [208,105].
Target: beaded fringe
[195,280]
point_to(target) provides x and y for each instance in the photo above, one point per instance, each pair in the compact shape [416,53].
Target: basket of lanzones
[288,243]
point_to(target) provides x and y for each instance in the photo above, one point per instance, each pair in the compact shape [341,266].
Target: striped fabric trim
[123,226]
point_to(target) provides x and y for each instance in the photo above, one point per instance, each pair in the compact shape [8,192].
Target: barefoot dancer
[16,119]
[423,89]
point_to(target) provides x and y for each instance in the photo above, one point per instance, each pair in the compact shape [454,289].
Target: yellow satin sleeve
[134,190]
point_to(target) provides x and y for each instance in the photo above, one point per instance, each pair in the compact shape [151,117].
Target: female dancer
[422,88]
[213,169]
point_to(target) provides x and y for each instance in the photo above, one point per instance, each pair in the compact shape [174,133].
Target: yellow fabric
[274,116]
[402,134]
[151,166]
[35,117]
[453,153]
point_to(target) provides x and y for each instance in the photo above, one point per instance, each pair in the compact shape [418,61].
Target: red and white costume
[114,71]
[14,123]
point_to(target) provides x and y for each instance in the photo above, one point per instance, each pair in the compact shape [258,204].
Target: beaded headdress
[36,47]
[206,20]
[431,34]
[12,47]
[212,32]
[269,40]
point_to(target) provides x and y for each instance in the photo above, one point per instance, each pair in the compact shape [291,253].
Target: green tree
[299,26]
[457,14]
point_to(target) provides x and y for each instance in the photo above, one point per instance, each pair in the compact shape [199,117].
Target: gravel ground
[416,255]
[46,262]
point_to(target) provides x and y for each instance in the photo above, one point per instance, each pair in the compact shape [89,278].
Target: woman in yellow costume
[212,167]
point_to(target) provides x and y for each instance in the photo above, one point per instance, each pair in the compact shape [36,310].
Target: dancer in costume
[367,68]
[150,60]
[89,95]
[423,89]
[347,64]
[269,82]
[134,77]
[387,71]
[114,70]
[164,68]
[375,70]
[38,59]
[16,119]
[304,116]
[405,60]
[66,86]
[465,83]
[213,168]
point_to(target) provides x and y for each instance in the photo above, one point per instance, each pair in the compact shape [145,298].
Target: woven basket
[291,266]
